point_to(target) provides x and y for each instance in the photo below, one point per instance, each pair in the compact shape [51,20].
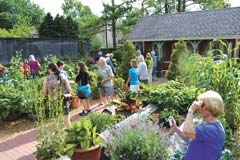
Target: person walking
[154,69]
[34,66]
[51,82]
[106,83]
[142,71]
[133,76]
[109,61]
[205,141]
[149,62]
[84,90]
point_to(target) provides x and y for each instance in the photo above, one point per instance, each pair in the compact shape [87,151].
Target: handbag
[84,91]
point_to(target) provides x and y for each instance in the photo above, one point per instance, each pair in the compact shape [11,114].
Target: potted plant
[81,140]
[151,142]
[127,104]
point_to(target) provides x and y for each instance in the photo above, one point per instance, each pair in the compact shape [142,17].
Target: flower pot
[92,153]
[75,102]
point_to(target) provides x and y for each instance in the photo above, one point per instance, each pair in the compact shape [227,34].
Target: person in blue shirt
[133,76]
[205,141]
[109,61]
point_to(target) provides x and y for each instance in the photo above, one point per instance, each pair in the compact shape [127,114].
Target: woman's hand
[174,124]
[195,106]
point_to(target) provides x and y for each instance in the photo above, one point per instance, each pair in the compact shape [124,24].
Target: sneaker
[83,113]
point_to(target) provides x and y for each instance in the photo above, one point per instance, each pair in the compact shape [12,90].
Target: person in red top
[26,69]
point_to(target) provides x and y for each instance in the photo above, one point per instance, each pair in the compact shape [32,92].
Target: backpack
[52,83]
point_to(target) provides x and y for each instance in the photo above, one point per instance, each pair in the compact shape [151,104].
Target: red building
[197,28]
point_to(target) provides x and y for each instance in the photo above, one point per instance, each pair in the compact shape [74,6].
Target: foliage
[17,12]
[89,24]
[174,95]
[59,27]
[17,31]
[126,24]
[51,140]
[223,77]
[149,138]
[119,82]
[180,50]
[96,43]
[113,12]
[128,53]
[103,120]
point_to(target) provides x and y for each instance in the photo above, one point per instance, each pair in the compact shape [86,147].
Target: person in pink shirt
[34,66]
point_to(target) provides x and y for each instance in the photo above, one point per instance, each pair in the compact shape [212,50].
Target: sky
[54,6]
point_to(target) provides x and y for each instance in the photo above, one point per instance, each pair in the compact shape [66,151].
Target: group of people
[31,67]
[142,70]
[205,141]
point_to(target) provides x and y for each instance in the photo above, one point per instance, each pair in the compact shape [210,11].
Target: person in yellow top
[149,62]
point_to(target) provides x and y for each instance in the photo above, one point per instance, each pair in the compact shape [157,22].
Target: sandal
[100,104]
[83,113]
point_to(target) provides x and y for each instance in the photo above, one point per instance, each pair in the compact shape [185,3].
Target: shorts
[134,88]
[107,91]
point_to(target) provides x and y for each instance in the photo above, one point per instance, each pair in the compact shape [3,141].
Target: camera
[170,122]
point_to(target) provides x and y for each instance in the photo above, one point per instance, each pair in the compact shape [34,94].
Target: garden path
[22,145]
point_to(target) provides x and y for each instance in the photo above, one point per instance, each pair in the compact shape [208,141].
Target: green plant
[167,112]
[128,53]
[180,50]
[119,82]
[151,143]
[51,140]
[80,135]
[103,120]
[172,95]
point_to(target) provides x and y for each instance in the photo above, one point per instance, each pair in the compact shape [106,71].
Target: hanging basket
[75,102]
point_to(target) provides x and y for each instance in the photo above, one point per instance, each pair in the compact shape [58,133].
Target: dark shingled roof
[207,24]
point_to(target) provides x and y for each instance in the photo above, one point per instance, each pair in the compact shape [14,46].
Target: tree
[128,53]
[89,24]
[180,49]
[46,28]
[113,12]
[59,27]
[28,11]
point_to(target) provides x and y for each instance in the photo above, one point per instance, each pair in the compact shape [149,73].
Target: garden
[189,75]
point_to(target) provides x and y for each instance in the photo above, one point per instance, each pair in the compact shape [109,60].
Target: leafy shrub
[172,95]
[103,120]
[180,50]
[128,53]
[140,143]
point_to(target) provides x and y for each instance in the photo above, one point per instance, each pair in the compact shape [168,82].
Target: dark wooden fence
[40,48]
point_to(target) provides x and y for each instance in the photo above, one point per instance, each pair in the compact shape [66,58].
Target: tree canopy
[59,27]
[89,24]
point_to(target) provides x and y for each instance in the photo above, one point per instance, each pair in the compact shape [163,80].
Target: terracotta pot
[75,102]
[92,153]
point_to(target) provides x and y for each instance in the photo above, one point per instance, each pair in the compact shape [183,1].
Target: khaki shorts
[107,91]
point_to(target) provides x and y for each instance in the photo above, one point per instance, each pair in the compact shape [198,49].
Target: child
[26,69]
